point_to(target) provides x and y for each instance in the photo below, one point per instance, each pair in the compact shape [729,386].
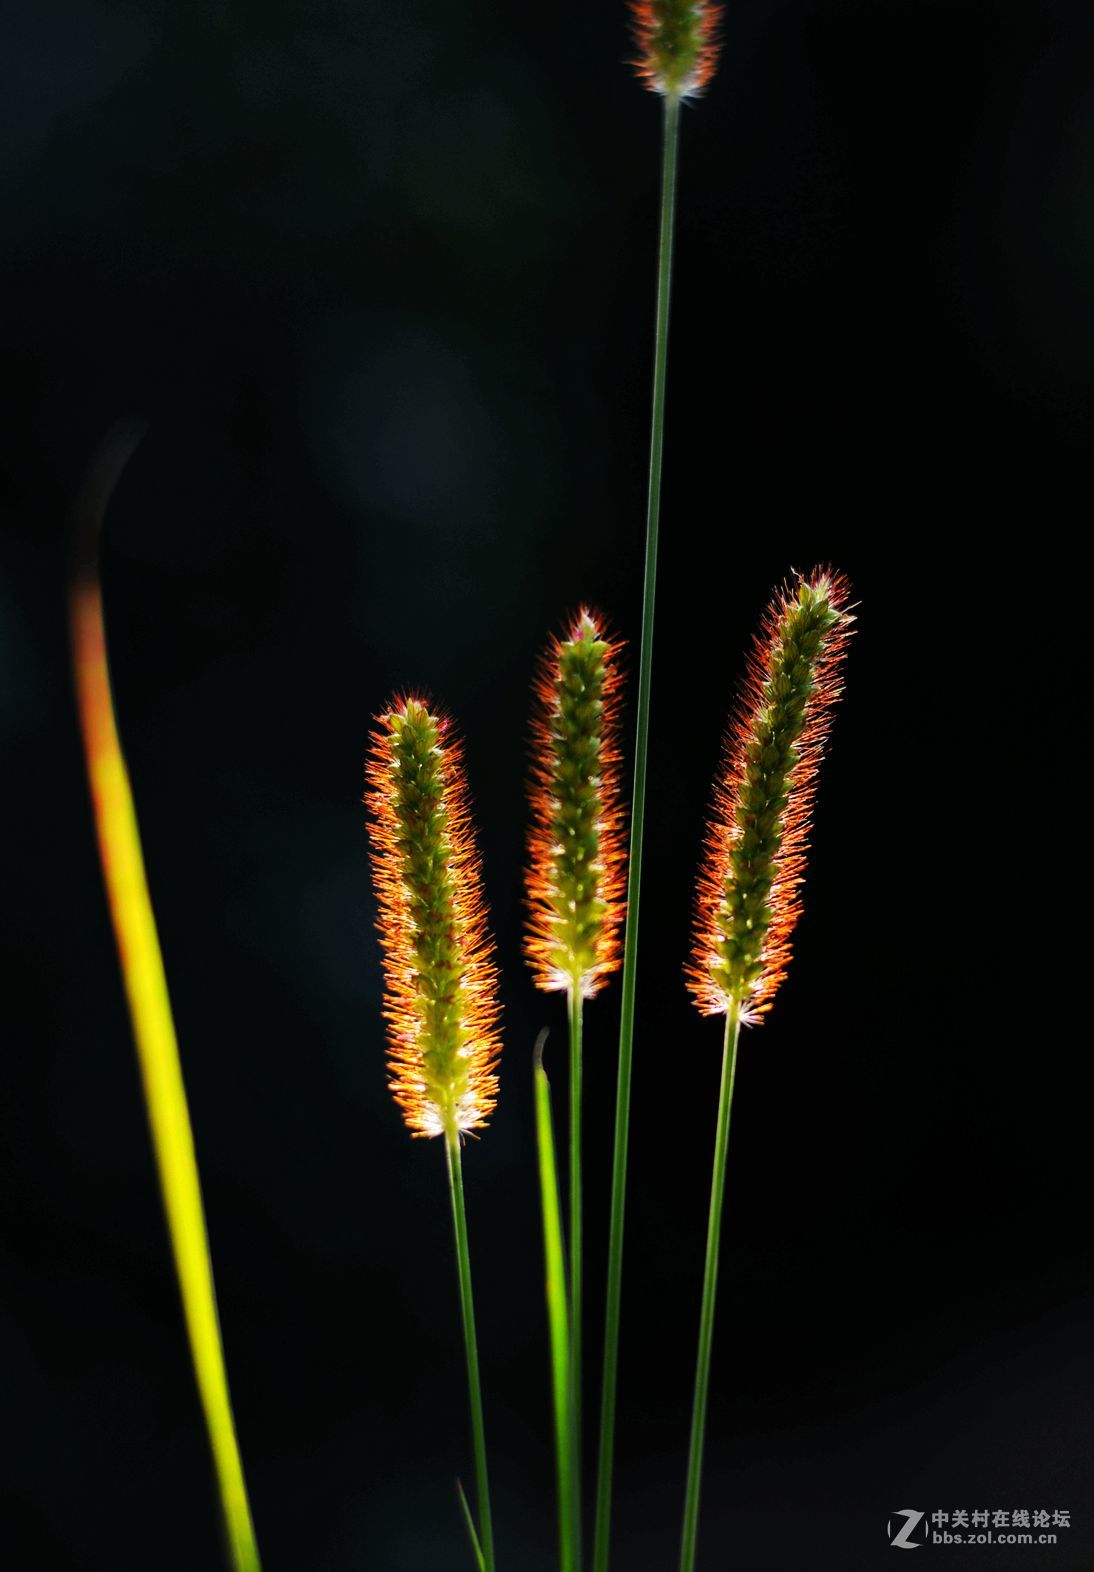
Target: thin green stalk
[472,1531]
[145,982]
[575,1003]
[710,1285]
[557,1320]
[467,1311]
[634,874]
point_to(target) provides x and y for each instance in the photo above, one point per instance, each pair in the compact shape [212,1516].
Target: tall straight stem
[710,1285]
[471,1345]
[634,875]
[557,1318]
[574,1001]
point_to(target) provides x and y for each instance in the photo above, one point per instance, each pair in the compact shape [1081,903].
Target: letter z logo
[903,1540]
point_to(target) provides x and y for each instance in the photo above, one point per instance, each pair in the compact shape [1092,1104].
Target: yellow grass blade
[157,1049]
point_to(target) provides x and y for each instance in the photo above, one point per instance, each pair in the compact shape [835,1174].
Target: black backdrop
[380,280]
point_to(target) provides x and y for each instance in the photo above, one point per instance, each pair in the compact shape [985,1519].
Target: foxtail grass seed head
[577,851]
[677,44]
[754,861]
[440,978]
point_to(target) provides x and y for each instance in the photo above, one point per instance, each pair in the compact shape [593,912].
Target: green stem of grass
[557,1320]
[472,1531]
[710,1284]
[634,874]
[575,1002]
[471,1345]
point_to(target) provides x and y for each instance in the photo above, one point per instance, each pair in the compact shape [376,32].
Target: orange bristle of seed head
[577,844]
[440,976]
[730,805]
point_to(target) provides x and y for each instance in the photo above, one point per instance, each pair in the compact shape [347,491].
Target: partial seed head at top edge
[677,44]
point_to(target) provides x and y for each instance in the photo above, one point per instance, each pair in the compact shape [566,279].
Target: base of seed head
[677,43]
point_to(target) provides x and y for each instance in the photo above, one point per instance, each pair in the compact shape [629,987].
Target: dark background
[380,280]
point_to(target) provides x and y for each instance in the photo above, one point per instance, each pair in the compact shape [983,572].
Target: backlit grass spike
[440,978]
[577,845]
[749,889]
